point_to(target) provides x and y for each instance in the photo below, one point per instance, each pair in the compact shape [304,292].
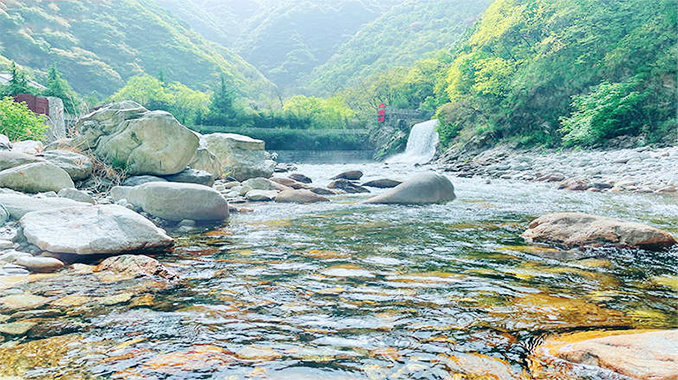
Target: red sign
[382,113]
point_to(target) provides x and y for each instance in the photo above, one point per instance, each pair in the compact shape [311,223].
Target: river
[346,290]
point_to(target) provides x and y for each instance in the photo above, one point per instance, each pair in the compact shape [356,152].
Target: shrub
[18,122]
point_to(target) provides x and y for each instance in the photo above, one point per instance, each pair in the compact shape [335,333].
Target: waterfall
[421,145]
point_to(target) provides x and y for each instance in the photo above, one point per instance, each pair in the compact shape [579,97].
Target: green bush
[610,110]
[18,122]
[453,118]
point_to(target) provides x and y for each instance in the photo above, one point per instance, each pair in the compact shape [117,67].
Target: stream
[346,290]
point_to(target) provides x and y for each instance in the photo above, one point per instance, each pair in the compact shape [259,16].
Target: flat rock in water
[136,266]
[19,205]
[300,178]
[299,196]
[639,354]
[426,188]
[384,183]
[84,230]
[322,191]
[288,182]
[351,175]
[241,156]
[583,230]
[347,186]
[261,195]
[40,264]
[37,177]
[178,201]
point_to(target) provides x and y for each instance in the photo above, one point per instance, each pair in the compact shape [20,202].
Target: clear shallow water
[345,290]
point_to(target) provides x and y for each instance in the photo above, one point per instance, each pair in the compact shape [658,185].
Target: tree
[59,88]
[222,109]
[19,82]
[18,122]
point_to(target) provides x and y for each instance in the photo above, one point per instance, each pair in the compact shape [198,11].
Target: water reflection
[344,290]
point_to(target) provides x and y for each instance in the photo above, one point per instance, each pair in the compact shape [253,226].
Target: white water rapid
[421,145]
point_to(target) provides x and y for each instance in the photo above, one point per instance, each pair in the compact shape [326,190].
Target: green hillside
[400,36]
[100,44]
[285,39]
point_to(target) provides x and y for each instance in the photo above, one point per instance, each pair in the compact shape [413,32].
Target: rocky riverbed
[644,170]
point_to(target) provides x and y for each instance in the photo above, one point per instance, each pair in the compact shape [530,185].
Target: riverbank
[643,170]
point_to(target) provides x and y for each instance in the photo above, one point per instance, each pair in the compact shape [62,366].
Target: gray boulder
[240,156]
[27,146]
[37,177]
[423,188]
[189,175]
[141,179]
[13,159]
[85,230]
[299,196]
[205,160]
[19,205]
[263,184]
[76,195]
[127,135]
[78,166]
[178,201]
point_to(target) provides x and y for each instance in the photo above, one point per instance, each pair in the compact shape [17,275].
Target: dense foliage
[100,44]
[582,71]
[20,123]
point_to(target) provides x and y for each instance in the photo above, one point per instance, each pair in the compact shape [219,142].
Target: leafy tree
[59,87]
[18,122]
[321,113]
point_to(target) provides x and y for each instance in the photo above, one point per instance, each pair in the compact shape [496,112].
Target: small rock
[347,186]
[136,266]
[263,184]
[28,147]
[40,264]
[78,166]
[322,191]
[300,178]
[288,182]
[351,175]
[382,183]
[16,328]
[189,175]
[261,195]
[6,244]
[299,196]
[23,301]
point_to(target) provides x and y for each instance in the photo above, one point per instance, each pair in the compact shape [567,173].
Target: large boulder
[299,196]
[129,136]
[571,229]
[178,201]
[240,156]
[84,230]
[78,166]
[423,188]
[37,177]
[633,354]
[19,205]
[205,160]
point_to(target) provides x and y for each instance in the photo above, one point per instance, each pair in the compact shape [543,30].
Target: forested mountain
[401,35]
[98,45]
[284,39]
[577,72]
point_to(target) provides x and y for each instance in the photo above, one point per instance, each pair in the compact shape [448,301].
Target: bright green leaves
[18,122]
